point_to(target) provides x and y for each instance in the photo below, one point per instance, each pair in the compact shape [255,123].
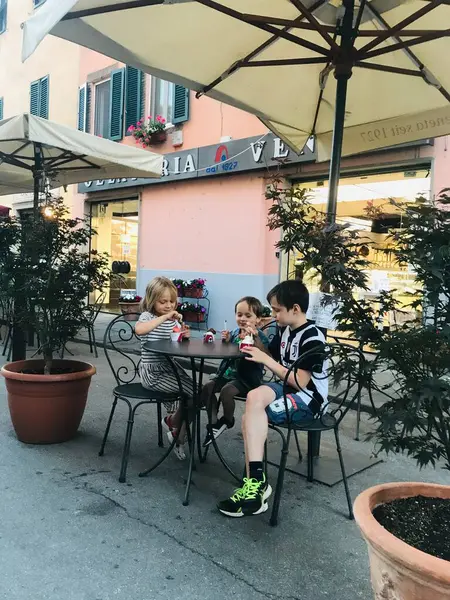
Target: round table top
[194,349]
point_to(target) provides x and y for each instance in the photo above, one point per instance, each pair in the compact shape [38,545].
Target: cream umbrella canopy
[274,58]
[34,150]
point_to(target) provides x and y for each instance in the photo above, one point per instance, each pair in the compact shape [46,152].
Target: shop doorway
[356,194]
[116,223]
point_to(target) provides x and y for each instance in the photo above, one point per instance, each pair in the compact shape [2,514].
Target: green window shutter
[116,105]
[180,104]
[87,127]
[34,98]
[133,96]
[82,108]
[43,97]
[1,109]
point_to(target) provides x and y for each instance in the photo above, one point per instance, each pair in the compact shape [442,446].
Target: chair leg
[160,432]
[7,339]
[310,456]
[358,415]
[90,339]
[280,479]
[344,476]
[108,425]
[126,446]
[299,450]
[94,343]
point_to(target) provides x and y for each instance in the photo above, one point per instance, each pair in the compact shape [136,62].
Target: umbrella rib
[268,28]
[286,61]
[90,12]
[318,26]
[401,25]
[10,159]
[403,45]
[415,59]
[388,69]
[242,62]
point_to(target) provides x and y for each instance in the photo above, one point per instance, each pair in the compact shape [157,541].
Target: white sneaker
[178,448]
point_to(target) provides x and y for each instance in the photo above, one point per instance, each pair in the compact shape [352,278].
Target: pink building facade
[207,216]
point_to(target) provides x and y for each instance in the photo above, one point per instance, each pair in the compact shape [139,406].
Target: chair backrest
[95,308]
[122,348]
[343,366]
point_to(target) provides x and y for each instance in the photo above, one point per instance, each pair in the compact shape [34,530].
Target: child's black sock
[256,470]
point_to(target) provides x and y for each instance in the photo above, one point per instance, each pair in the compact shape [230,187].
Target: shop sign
[236,156]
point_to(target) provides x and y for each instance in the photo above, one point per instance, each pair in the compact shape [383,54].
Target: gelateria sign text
[235,156]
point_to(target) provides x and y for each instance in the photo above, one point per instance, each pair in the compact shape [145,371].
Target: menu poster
[322,310]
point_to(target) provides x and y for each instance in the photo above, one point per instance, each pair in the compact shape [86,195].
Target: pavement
[69,530]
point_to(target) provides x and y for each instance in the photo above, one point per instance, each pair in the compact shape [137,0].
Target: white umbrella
[273,58]
[33,149]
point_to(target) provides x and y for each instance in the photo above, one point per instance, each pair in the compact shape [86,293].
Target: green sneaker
[250,499]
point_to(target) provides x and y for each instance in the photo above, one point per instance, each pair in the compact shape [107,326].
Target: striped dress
[155,370]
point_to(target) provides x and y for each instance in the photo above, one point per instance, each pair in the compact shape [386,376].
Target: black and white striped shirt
[289,345]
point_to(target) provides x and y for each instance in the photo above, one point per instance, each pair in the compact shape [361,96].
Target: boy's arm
[297,380]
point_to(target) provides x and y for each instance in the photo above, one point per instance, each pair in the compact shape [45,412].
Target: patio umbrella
[35,150]
[274,58]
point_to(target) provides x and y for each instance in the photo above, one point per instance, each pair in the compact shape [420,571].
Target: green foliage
[47,271]
[416,416]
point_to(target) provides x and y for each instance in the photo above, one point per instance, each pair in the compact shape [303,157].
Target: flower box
[128,308]
[192,292]
[194,317]
[158,137]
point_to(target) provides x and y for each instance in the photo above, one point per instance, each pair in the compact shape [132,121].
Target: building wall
[55,58]
[214,229]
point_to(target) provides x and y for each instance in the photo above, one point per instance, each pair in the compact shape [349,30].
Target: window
[102,108]
[39,97]
[3,9]
[162,96]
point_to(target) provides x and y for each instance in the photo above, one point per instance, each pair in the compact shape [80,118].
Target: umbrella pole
[342,73]
[19,344]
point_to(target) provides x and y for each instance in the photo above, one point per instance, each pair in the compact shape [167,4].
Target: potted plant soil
[130,303]
[194,288]
[47,273]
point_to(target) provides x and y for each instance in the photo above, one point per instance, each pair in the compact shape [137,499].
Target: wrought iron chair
[344,369]
[92,312]
[122,350]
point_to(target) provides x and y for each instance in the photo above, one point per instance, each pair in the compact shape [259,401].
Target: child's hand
[173,315]
[249,330]
[186,331]
[226,336]
[254,354]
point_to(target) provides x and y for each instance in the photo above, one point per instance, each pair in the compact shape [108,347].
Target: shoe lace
[238,494]
[251,488]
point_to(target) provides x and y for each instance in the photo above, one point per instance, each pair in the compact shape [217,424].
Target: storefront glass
[116,223]
[356,194]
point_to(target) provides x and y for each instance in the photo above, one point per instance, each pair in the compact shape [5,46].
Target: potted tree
[404,523]
[46,271]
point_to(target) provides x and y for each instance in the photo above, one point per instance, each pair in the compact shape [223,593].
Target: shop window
[102,108]
[39,97]
[3,10]
[169,100]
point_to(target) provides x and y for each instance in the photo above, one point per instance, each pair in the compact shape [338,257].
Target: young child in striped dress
[157,320]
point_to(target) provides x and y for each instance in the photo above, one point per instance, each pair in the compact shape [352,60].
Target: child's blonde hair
[154,291]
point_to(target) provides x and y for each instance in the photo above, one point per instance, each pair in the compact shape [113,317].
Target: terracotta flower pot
[158,137]
[128,308]
[190,292]
[399,571]
[47,409]
[194,317]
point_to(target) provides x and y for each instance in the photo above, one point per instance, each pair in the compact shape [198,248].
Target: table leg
[192,436]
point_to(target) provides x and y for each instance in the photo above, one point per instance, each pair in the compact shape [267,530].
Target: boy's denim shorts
[276,411]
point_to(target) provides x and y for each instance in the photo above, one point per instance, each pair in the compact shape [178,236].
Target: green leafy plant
[47,272]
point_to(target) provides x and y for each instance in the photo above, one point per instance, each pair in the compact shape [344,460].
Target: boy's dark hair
[254,304]
[288,293]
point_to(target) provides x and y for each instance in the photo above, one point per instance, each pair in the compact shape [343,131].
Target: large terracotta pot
[399,571]
[47,409]
[131,310]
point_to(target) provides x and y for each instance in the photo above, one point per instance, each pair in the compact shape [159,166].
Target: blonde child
[157,320]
